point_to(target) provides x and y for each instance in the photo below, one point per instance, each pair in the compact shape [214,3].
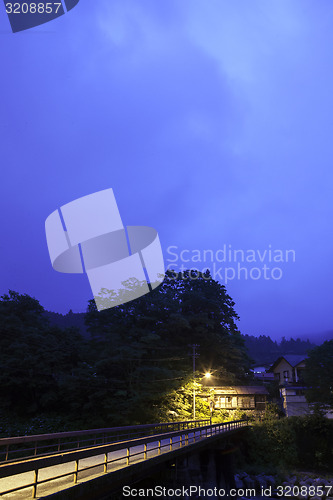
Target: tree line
[134,367]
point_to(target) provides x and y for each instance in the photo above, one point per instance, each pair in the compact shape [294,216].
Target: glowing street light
[207,375]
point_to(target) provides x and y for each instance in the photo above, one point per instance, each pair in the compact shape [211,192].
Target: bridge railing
[14,448]
[129,452]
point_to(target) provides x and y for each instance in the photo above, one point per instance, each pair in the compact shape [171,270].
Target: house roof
[262,368]
[292,359]
[240,390]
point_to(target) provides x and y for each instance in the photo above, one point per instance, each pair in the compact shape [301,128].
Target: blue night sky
[212,122]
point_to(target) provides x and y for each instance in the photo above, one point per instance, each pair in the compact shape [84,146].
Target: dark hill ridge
[262,349]
[67,320]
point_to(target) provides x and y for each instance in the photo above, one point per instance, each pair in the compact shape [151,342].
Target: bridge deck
[44,475]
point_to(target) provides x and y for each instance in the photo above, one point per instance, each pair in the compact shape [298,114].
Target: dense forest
[263,350]
[129,364]
[134,367]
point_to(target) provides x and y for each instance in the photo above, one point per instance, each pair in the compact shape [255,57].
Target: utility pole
[194,356]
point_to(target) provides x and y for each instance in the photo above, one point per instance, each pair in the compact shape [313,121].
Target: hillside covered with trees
[135,367]
[263,350]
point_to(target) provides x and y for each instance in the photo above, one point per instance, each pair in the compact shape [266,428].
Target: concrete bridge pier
[225,466]
[210,468]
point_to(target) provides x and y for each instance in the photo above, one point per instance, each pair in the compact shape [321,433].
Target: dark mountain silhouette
[263,350]
[67,320]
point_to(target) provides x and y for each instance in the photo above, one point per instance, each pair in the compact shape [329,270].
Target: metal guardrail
[41,444]
[160,443]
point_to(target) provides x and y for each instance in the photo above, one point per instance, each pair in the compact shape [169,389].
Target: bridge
[93,463]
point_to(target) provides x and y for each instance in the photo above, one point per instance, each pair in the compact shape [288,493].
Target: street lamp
[211,406]
[207,375]
[211,403]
